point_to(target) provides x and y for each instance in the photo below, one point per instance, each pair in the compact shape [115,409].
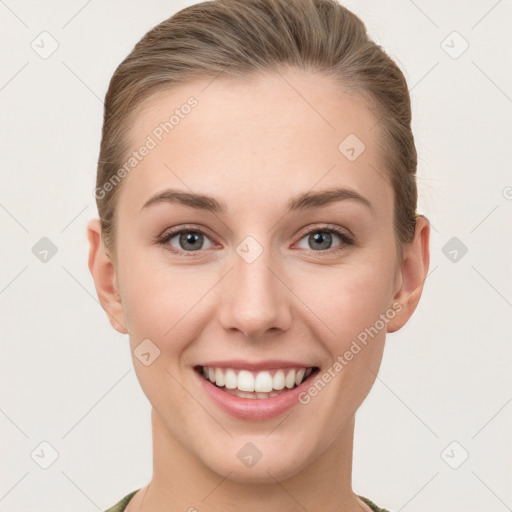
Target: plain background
[444,390]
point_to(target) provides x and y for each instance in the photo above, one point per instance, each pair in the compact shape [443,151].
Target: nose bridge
[254,299]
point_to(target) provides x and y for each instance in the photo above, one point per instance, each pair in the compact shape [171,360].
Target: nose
[255,301]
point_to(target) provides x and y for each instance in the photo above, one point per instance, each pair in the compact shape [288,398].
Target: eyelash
[345,239]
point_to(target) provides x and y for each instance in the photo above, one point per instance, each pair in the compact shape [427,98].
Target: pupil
[192,239]
[323,239]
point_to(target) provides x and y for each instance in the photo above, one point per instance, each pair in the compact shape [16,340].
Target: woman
[257,239]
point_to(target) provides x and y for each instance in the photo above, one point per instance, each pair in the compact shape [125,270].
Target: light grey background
[66,377]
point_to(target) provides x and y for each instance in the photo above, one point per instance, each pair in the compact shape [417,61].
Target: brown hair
[240,37]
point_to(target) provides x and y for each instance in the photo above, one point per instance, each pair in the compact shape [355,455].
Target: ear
[413,272]
[104,275]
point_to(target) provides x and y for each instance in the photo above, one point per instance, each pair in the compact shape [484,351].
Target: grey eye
[320,240]
[188,240]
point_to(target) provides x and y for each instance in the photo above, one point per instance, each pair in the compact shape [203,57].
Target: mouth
[256,385]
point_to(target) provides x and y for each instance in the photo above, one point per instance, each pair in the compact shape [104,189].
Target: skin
[255,144]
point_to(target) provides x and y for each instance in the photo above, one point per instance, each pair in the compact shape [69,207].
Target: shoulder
[372,505]
[122,504]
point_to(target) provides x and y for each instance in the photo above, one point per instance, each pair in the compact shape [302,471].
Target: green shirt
[119,507]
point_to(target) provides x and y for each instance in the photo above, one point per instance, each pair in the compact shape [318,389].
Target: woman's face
[270,276]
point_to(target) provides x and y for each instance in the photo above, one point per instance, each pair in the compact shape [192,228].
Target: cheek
[347,299]
[162,302]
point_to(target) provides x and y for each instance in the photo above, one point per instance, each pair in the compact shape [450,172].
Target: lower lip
[254,408]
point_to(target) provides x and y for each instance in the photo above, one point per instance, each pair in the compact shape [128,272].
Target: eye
[322,239]
[185,240]
[190,240]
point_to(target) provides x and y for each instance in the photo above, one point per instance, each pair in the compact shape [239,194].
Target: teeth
[300,376]
[219,377]
[246,394]
[278,380]
[230,379]
[264,384]
[245,381]
[289,380]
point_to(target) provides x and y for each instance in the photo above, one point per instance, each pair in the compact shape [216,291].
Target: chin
[268,464]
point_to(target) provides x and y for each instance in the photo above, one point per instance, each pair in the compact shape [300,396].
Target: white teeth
[230,380]
[278,380]
[245,381]
[262,384]
[300,376]
[289,380]
[246,394]
[219,377]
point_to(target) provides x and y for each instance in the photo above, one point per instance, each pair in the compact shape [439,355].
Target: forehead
[277,134]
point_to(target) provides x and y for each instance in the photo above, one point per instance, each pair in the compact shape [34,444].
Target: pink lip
[253,408]
[269,364]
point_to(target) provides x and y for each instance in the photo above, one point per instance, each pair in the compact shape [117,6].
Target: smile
[256,385]
[254,391]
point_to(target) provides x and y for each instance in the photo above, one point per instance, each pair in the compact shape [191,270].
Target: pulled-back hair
[242,37]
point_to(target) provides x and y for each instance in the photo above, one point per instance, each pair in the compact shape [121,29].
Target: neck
[182,482]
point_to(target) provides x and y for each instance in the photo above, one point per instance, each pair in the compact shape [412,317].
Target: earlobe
[104,276]
[414,270]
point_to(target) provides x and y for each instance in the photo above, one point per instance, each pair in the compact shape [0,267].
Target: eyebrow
[304,201]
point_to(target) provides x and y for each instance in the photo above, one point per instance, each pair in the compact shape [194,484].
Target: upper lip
[255,366]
